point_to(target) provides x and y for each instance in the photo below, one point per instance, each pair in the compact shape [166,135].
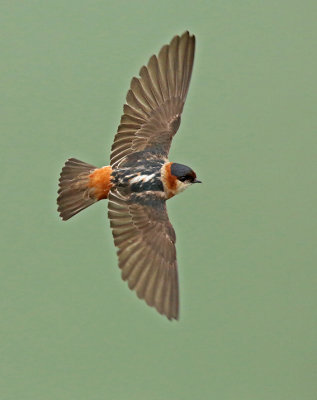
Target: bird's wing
[154,103]
[147,255]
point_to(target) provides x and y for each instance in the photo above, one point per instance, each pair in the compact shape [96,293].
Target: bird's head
[184,174]
[177,178]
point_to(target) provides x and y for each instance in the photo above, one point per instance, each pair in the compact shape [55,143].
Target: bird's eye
[182,178]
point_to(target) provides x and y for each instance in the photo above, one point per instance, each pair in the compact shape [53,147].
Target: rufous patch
[169,180]
[100,180]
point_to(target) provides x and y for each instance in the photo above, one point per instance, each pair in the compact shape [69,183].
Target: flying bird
[140,178]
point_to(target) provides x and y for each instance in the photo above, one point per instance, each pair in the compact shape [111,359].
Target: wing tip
[171,312]
[186,34]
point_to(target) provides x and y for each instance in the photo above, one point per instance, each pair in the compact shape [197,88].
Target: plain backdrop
[246,238]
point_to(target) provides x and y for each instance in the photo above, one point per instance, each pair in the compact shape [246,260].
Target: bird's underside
[138,181]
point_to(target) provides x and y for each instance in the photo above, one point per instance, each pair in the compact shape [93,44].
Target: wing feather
[154,102]
[147,254]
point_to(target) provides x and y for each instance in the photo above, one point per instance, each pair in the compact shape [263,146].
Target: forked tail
[80,186]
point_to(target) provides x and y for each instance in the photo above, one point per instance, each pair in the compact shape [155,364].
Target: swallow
[140,178]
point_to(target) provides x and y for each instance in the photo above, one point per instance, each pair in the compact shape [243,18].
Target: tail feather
[75,193]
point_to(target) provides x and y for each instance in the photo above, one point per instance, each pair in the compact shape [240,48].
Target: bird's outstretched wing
[146,242]
[155,102]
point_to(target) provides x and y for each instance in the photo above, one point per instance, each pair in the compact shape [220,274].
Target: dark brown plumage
[147,255]
[155,102]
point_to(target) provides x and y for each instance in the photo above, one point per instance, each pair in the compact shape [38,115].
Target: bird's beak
[197,181]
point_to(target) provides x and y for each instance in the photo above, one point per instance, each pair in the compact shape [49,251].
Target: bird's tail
[80,186]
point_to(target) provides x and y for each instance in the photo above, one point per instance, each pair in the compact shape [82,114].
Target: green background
[70,328]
